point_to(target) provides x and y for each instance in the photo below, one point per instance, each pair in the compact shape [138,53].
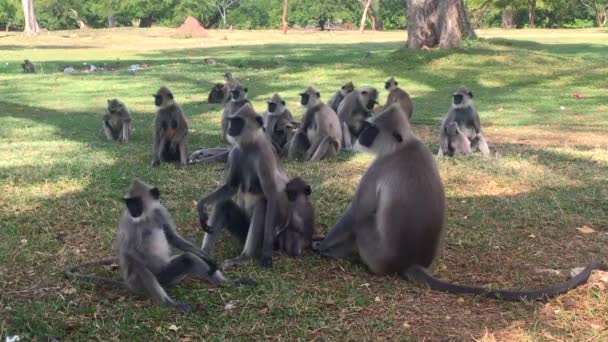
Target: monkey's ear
[260,120]
[155,193]
[471,94]
[170,96]
[135,206]
[307,190]
[282,102]
[318,95]
[397,136]
[245,89]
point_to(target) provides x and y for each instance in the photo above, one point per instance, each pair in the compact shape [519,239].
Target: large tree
[599,9]
[29,15]
[432,23]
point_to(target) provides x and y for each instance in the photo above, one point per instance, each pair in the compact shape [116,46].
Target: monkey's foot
[155,163]
[316,246]
[266,261]
[183,308]
[246,281]
[235,261]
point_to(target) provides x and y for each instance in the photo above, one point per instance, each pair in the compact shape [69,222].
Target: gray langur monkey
[458,142]
[278,123]
[396,219]
[463,112]
[319,135]
[116,121]
[229,83]
[256,176]
[216,95]
[400,96]
[238,98]
[145,236]
[170,136]
[353,111]
[297,233]
[28,67]
[335,100]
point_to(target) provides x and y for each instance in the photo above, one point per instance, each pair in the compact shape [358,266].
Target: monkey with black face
[395,221]
[170,138]
[346,89]
[463,112]
[116,122]
[353,110]
[398,95]
[145,236]
[28,67]
[238,98]
[216,95]
[256,176]
[458,142]
[297,232]
[320,134]
[278,123]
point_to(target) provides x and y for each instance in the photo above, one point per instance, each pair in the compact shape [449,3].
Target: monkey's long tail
[421,274]
[73,273]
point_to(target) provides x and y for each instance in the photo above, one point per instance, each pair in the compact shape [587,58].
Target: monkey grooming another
[335,101]
[145,235]
[296,235]
[116,121]
[28,67]
[398,95]
[353,110]
[255,174]
[395,221]
[278,123]
[170,137]
[463,112]
[458,142]
[320,134]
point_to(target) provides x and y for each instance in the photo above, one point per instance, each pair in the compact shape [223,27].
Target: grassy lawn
[512,218]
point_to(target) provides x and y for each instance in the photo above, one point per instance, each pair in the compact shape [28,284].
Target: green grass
[61,184]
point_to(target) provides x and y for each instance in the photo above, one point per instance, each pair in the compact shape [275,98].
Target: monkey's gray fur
[353,110]
[116,121]
[170,136]
[335,100]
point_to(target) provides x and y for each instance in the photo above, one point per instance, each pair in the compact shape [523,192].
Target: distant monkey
[278,123]
[28,67]
[216,95]
[346,89]
[238,98]
[463,112]
[256,176]
[296,234]
[116,121]
[320,134]
[229,83]
[170,138]
[458,142]
[145,236]
[353,110]
[395,221]
[398,95]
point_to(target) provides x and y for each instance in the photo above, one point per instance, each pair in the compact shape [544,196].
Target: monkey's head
[347,88]
[275,104]
[368,98]
[114,105]
[238,92]
[245,126]
[310,97]
[391,84]
[228,76]
[384,132]
[297,187]
[163,97]
[452,129]
[462,97]
[141,198]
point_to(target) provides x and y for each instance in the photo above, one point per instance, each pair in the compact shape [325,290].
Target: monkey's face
[140,197]
[368,99]
[238,93]
[242,129]
[461,98]
[309,98]
[304,98]
[377,141]
[272,107]
[158,100]
[297,187]
[347,88]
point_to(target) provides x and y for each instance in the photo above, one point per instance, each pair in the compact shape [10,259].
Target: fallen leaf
[576,271]
[229,306]
[406,325]
[173,327]
[586,230]
[377,299]
[23,242]
[532,236]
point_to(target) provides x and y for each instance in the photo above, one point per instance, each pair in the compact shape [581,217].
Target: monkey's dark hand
[183,308]
[247,281]
[203,219]
[266,261]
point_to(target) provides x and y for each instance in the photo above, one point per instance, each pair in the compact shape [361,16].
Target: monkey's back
[411,205]
[327,121]
[401,97]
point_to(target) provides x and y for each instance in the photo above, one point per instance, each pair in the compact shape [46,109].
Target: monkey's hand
[203,219]
[316,246]
[235,261]
[182,308]
[247,281]
[266,261]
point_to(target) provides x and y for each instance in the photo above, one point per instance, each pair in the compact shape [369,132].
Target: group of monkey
[394,223]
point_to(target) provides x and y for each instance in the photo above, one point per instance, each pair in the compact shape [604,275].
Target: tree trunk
[508,18]
[600,15]
[146,22]
[432,23]
[376,25]
[29,17]
[532,16]
[321,22]
[111,21]
[285,16]
[362,26]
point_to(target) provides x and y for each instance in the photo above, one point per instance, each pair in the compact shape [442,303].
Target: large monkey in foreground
[396,219]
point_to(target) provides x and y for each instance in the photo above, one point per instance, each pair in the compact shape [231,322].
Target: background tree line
[260,14]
